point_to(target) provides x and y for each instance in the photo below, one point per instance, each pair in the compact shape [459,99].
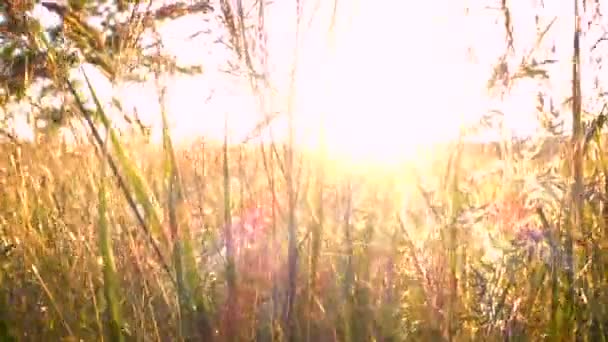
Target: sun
[386,89]
[395,80]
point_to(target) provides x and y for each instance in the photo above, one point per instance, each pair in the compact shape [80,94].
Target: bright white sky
[400,76]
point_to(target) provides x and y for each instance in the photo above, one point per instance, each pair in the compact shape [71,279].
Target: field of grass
[464,248]
[114,239]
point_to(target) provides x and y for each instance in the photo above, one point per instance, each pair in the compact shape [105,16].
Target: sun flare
[385,86]
[390,79]
[385,95]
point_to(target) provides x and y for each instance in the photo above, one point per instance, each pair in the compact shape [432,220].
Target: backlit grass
[448,251]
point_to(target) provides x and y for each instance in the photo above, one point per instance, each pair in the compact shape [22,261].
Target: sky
[398,76]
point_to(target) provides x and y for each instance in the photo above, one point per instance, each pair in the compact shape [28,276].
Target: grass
[368,270]
[119,240]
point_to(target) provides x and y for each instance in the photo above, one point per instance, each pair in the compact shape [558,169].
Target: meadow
[113,238]
[461,246]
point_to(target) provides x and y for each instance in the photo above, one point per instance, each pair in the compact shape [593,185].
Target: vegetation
[118,239]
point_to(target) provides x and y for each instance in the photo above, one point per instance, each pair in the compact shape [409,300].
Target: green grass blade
[110,278]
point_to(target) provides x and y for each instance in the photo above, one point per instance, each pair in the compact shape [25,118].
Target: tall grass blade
[110,284]
[184,261]
[229,243]
[132,176]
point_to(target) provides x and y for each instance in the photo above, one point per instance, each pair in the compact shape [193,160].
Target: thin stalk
[230,262]
[54,303]
[349,276]
[455,206]
[577,165]
[317,229]
[187,274]
[291,192]
[121,180]
[110,284]
[316,235]
[173,196]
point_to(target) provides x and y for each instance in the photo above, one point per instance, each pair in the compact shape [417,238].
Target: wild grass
[119,240]
[380,258]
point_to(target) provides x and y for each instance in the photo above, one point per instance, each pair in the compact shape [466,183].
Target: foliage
[36,59]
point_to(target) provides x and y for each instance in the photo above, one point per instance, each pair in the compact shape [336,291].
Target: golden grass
[378,258]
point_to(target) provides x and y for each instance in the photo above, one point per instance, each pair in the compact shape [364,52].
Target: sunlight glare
[394,87]
[397,79]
